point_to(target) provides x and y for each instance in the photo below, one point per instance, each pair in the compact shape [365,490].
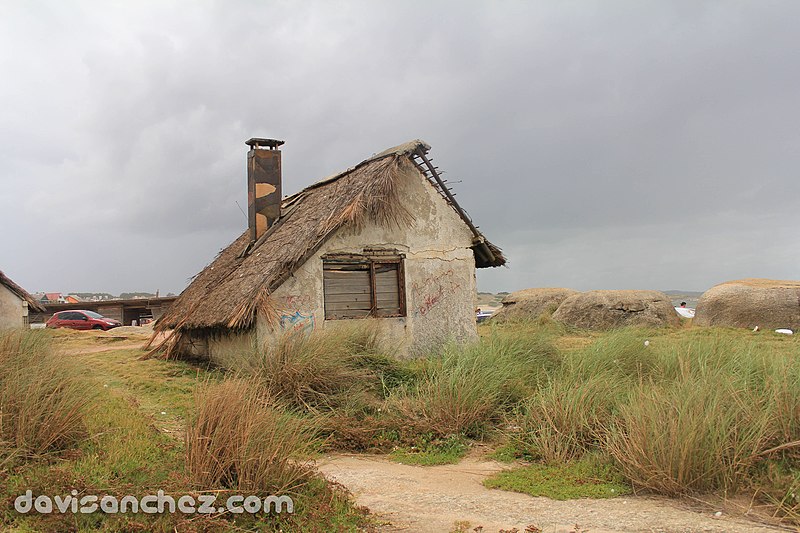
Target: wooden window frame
[371,261]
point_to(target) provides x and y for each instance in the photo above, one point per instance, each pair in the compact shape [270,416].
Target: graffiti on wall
[297,302]
[431,291]
[298,322]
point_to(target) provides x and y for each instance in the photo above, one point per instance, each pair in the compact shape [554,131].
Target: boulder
[530,303]
[615,309]
[747,303]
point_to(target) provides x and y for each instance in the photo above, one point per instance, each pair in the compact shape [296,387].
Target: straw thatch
[228,292]
[21,293]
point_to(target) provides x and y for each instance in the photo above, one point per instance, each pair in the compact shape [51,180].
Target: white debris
[784,331]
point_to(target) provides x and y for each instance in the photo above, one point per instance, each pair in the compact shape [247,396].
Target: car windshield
[92,314]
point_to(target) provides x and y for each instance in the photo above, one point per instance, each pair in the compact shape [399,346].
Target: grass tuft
[241,439]
[467,389]
[43,398]
[322,371]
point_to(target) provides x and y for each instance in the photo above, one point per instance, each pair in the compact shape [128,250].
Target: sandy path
[435,499]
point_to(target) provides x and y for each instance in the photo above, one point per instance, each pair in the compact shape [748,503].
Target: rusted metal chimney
[263,185]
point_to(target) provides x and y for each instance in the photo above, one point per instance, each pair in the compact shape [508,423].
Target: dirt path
[442,498]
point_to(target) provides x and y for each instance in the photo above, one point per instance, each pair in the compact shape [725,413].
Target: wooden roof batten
[426,167]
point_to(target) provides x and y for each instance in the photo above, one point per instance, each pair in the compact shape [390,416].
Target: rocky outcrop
[530,303]
[747,303]
[615,309]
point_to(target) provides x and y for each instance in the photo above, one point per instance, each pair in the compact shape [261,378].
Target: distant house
[52,298]
[385,239]
[15,304]
[71,299]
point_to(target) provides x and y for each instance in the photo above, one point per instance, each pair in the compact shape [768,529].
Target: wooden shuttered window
[363,287]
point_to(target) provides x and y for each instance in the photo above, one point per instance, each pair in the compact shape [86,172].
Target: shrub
[468,388]
[43,398]
[320,371]
[447,402]
[567,417]
[428,452]
[690,436]
[241,439]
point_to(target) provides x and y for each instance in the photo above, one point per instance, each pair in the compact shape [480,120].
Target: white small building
[15,304]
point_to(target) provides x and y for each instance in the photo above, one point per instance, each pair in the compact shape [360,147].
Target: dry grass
[43,399]
[448,403]
[241,439]
[138,443]
[321,371]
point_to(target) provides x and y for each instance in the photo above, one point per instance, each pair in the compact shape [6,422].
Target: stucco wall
[11,309]
[439,274]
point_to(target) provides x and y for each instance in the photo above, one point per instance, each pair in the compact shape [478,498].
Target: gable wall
[439,274]
[11,309]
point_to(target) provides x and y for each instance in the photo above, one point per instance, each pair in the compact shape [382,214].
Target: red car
[81,320]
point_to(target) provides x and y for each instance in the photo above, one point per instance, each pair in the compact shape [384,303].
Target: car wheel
[97,326]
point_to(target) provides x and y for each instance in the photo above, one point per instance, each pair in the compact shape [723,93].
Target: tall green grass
[43,397]
[467,389]
[691,435]
[678,411]
[567,417]
[338,378]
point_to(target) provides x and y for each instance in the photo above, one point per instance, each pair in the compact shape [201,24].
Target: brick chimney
[263,185]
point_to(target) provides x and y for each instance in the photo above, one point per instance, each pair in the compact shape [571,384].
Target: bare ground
[446,498]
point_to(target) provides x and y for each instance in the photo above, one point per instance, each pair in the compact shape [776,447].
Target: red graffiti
[297,302]
[432,290]
[430,302]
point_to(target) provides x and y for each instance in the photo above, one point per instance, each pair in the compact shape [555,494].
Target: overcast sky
[613,144]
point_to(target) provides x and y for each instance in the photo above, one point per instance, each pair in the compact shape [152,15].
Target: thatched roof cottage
[385,239]
[15,304]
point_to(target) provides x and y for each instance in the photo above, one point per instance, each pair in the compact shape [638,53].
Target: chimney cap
[257,142]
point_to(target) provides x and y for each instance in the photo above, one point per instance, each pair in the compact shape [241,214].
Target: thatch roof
[227,292]
[21,293]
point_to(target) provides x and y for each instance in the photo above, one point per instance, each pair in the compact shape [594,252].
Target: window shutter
[360,286]
[347,291]
[387,289]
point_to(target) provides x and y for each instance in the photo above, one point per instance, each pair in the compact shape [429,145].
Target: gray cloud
[602,144]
